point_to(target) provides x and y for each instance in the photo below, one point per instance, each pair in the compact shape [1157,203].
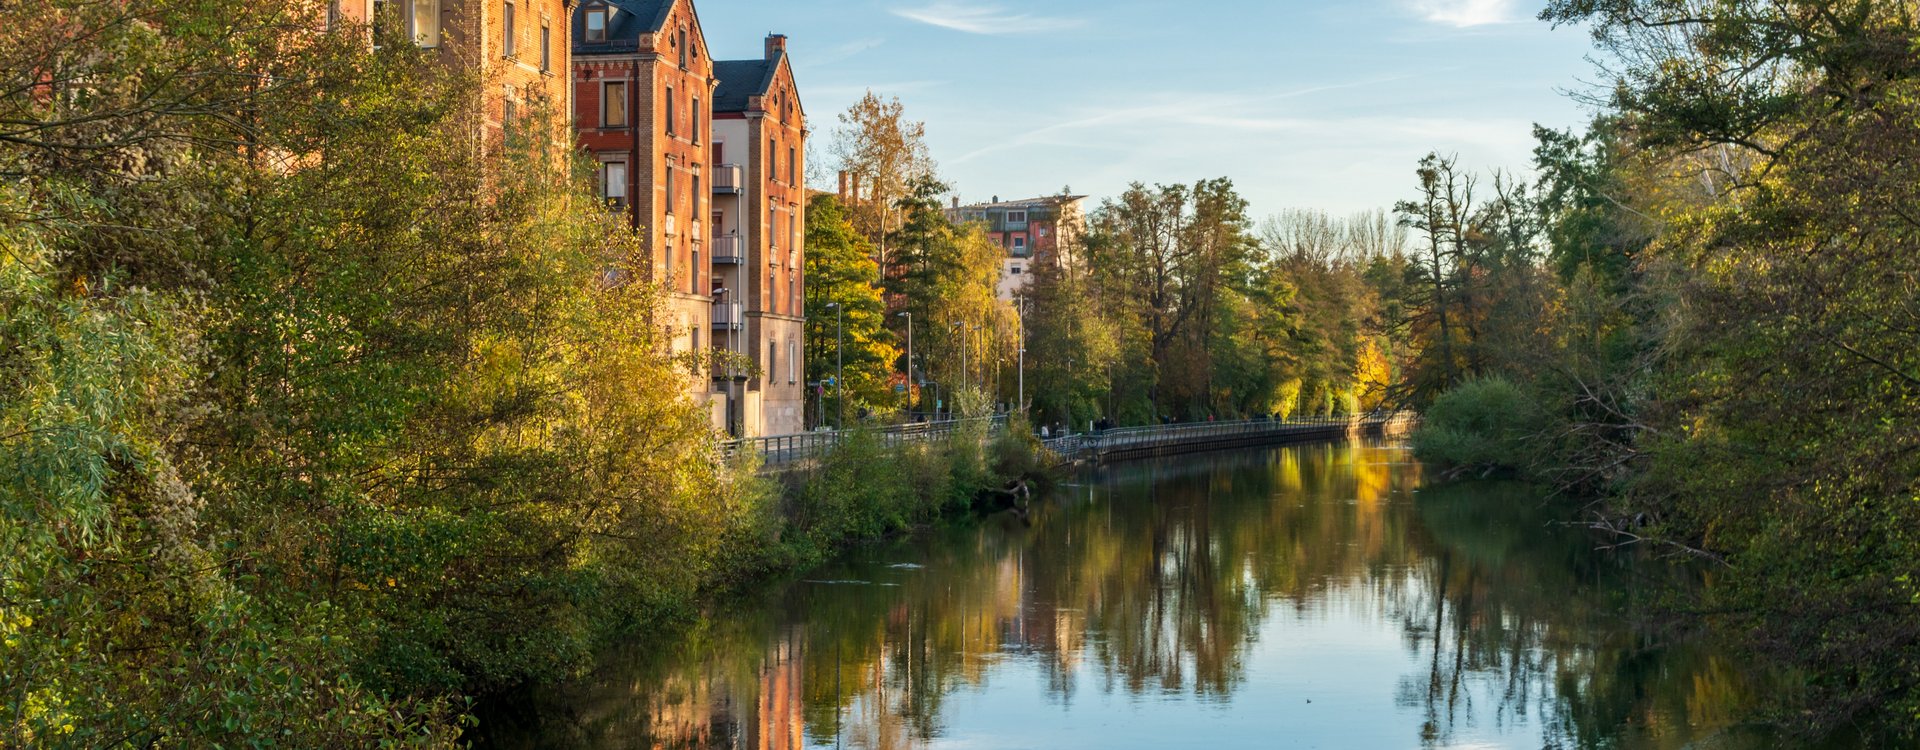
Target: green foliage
[841,269]
[1481,426]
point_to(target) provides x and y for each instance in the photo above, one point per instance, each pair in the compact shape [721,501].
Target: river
[1317,596]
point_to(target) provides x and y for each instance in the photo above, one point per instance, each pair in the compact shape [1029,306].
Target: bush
[1484,426]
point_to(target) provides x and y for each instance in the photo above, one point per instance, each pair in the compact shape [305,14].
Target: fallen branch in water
[1617,529]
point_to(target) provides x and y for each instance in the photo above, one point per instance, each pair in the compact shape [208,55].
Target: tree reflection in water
[1180,586]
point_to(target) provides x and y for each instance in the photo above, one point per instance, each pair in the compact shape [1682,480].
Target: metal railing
[782,450]
[1125,439]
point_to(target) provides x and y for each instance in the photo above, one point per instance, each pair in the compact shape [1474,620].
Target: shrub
[1484,426]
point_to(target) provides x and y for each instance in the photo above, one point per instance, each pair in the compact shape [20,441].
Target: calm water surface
[1302,597]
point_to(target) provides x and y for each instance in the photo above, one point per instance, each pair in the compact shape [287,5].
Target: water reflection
[1296,597]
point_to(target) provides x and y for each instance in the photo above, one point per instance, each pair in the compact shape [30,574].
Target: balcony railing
[729,250]
[726,316]
[727,179]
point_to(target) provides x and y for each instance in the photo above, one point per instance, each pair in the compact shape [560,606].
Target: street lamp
[909,316]
[1022,400]
[962,328]
[839,363]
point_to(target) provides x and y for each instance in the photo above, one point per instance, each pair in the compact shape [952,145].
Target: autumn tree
[841,270]
[884,154]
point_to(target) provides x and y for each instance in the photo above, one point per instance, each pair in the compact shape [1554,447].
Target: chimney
[776,44]
[996,199]
[956,203]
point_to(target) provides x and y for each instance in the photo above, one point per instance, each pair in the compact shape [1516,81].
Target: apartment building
[759,230]
[643,87]
[676,135]
[1030,230]
[519,45]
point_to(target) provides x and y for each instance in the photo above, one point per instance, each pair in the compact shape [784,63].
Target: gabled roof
[629,20]
[741,80]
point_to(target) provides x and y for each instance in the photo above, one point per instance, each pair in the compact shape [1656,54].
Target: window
[509,108]
[1016,217]
[1019,244]
[694,113]
[613,104]
[546,46]
[792,159]
[379,14]
[773,359]
[773,159]
[683,49]
[613,182]
[596,24]
[693,279]
[509,45]
[672,191]
[792,357]
[669,110]
[426,22]
[1016,270]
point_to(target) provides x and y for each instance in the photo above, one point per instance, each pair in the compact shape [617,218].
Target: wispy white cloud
[1183,108]
[845,51]
[1466,14]
[984,19]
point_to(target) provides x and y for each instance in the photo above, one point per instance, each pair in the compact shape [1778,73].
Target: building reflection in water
[1174,583]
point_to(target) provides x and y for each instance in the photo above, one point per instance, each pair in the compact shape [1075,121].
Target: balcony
[727,179]
[729,250]
[726,316]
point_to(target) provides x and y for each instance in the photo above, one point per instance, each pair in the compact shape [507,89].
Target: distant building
[1030,230]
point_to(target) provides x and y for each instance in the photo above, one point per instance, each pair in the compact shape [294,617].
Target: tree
[885,155]
[841,269]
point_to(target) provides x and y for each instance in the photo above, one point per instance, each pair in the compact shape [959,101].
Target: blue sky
[1304,104]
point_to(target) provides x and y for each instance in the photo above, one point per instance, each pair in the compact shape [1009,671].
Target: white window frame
[509,42]
[626,112]
[601,13]
[422,35]
[606,171]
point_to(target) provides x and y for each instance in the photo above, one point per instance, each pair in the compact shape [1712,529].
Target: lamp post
[909,316]
[732,426]
[962,328]
[1022,402]
[839,364]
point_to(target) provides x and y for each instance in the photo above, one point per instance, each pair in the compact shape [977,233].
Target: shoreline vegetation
[1717,360]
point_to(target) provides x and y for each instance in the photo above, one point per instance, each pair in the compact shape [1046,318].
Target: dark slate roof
[630,19]
[739,80]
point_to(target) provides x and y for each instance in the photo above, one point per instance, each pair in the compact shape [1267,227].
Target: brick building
[759,229]
[1030,230]
[519,45]
[643,88]
[677,136]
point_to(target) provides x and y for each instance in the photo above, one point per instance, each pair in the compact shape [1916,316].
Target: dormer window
[597,24]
